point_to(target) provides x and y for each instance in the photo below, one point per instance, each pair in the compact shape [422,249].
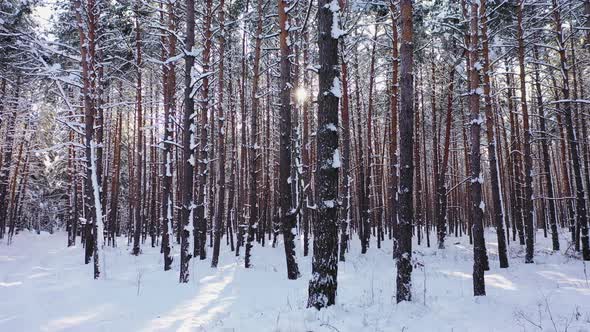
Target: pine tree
[476,175]
[404,262]
[188,146]
[324,279]
[287,212]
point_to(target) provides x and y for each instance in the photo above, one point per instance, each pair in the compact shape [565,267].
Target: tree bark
[253,157]
[529,208]
[323,283]
[219,215]
[404,262]
[491,137]
[546,156]
[287,212]
[138,215]
[581,209]
[188,145]
[477,204]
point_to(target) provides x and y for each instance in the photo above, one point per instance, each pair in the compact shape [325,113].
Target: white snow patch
[482,206]
[38,272]
[336,163]
[336,89]
[329,203]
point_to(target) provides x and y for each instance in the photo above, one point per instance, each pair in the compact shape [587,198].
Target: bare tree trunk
[515,160]
[346,201]
[6,161]
[188,144]
[231,201]
[370,222]
[546,156]
[529,208]
[477,204]
[13,187]
[417,171]
[219,217]
[363,201]
[306,155]
[114,206]
[581,210]
[287,212]
[404,262]
[439,218]
[393,160]
[254,158]
[169,84]
[491,137]
[200,217]
[139,146]
[323,284]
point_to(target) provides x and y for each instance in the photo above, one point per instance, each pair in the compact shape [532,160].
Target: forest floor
[45,286]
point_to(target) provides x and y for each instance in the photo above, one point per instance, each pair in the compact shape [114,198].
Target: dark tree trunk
[477,204]
[253,157]
[6,162]
[529,208]
[139,146]
[572,137]
[169,84]
[393,160]
[346,199]
[491,137]
[404,262]
[188,145]
[200,216]
[515,161]
[219,216]
[323,283]
[546,156]
[287,212]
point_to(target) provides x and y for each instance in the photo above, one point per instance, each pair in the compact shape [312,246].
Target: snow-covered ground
[45,286]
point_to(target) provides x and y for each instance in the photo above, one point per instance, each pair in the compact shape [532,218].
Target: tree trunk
[529,208]
[219,216]
[393,109]
[572,137]
[491,137]
[6,161]
[546,156]
[477,204]
[139,146]
[254,158]
[404,262]
[346,199]
[188,145]
[323,283]
[287,212]
[169,85]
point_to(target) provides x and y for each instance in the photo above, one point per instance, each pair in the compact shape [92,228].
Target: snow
[96,187]
[169,162]
[336,89]
[478,179]
[336,162]
[334,7]
[329,203]
[169,218]
[477,121]
[44,286]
